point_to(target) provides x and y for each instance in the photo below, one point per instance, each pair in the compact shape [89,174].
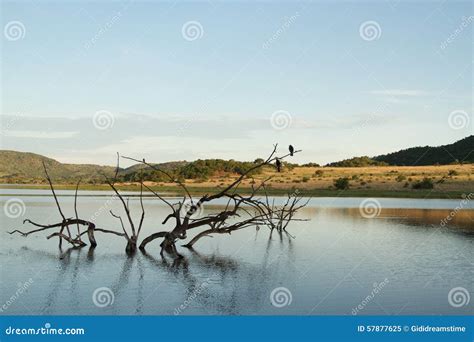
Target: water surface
[329,266]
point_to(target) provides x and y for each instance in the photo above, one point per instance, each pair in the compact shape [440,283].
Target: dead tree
[132,236]
[241,211]
[64,231]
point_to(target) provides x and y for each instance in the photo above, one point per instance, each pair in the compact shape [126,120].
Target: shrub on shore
[342,183]
[426,183]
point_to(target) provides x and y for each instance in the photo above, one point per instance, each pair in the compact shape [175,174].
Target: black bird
[193,209]
[292,150]
[278,164]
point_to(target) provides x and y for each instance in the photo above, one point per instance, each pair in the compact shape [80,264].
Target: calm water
[329,267]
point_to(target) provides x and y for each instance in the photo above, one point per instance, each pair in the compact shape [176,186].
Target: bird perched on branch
[193,209]
[278,164]
[292,150]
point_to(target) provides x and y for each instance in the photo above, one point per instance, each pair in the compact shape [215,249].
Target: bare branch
[121,223]
[143,209]
[75,208]
[171,178]
[125,206]
[52,190]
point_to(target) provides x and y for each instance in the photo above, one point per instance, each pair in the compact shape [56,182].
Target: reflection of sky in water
[330,266]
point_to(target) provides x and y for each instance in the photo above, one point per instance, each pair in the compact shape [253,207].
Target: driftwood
[75,241]
[254,209]
[240,211]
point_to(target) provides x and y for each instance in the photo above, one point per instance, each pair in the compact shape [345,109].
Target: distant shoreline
[445,182]
[173,190]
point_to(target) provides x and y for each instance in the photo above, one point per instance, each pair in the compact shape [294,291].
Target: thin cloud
[39,134]
[344,122]
[399,92]
[169,137]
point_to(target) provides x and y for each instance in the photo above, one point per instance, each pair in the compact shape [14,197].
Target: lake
[403,261]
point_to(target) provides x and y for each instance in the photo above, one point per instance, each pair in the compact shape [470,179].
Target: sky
[174,80]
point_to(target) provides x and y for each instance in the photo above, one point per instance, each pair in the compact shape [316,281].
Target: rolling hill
[460,151]
[25,167]
[357,162]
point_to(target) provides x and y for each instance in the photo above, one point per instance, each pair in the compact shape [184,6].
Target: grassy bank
[173,190]
[448,181]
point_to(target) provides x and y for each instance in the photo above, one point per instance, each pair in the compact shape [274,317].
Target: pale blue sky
[173,98]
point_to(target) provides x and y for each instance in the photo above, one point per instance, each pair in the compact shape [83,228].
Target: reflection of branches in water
[60,278]
[222,264]
[227,270]
[221,275]
[226,281]
[66,274]
[90,255]
[141,277]
[179,268]
[226,278]
[74,283]
[124,276]
[288,252]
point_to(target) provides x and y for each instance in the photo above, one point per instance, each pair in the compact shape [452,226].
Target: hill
[201,169]
[357,162]
[460,151]
[164,166]
[25,167]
